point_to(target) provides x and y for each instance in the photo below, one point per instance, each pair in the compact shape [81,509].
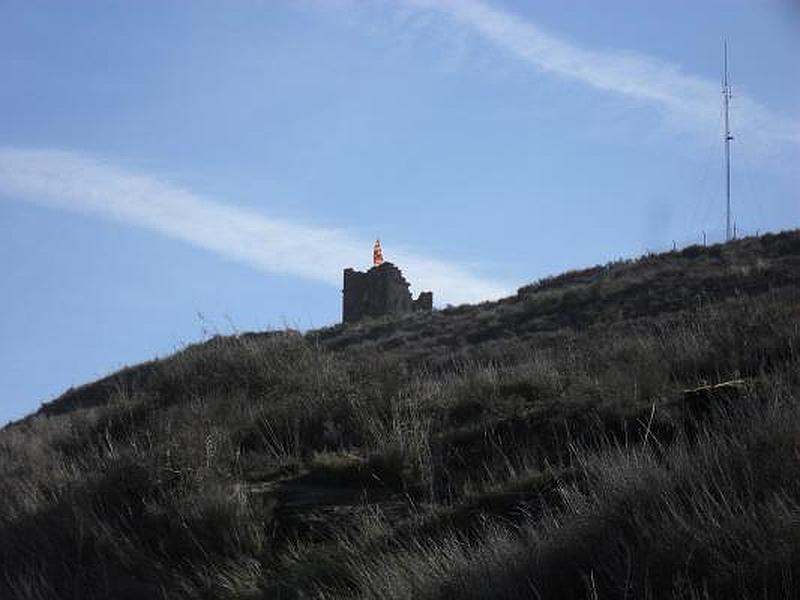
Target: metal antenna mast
[726,96]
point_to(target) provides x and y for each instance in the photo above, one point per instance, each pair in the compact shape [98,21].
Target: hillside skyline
[171,170]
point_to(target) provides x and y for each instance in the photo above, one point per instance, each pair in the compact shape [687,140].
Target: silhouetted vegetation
[542,446]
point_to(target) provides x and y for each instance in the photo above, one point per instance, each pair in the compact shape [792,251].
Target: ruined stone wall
[381,290]
[424,301]
[355,286]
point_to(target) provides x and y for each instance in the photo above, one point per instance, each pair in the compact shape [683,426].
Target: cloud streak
[693,100]
[78,183]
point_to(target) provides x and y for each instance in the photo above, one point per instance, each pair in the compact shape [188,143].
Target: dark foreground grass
[496,451]
[719,518]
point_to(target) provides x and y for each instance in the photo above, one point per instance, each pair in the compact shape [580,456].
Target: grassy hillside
[542,446]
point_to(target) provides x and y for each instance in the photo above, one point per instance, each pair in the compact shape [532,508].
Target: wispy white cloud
[74,182]
[693,100]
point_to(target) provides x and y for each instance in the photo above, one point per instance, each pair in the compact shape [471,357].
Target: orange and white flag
[377,254]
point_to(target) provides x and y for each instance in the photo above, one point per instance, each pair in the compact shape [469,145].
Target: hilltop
[543,445]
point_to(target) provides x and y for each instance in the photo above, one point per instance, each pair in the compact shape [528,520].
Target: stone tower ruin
[380,291]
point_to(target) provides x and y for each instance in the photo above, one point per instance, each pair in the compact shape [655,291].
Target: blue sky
[173,169]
